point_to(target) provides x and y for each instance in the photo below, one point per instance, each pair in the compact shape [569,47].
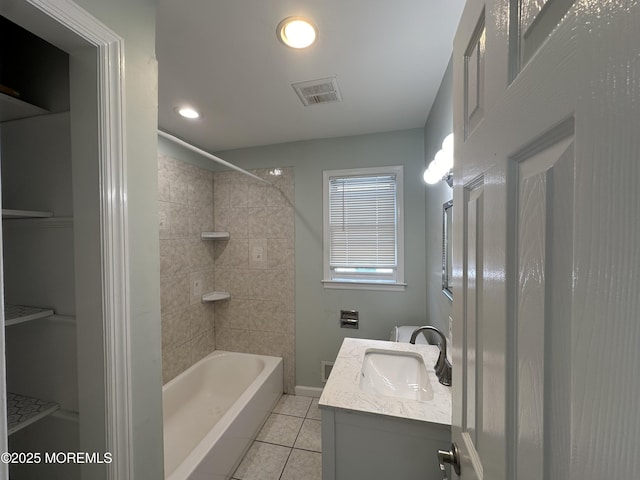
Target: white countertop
[343,391]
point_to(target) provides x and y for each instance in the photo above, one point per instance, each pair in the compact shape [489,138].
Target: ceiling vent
[314,92]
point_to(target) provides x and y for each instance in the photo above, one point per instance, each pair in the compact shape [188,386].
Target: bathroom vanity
[384,414]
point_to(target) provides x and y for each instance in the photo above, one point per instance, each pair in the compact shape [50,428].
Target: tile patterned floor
[288,446]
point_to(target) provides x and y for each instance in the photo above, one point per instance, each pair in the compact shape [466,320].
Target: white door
[546,339]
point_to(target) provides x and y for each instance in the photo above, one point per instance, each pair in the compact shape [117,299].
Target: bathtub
[214,410]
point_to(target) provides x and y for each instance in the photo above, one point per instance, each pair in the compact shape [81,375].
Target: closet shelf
[9,214]
[215,235]
[215,296]
[12,108]
[23,411]
[14,314]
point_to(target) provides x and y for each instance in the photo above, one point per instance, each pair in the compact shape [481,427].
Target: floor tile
[314,411]
[280,429]
[293,405]
[303,465]
[309,437]
[263,461]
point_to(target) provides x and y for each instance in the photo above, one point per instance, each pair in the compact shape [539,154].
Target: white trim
[113,221]
[392,287]
[303,391]
[399,284]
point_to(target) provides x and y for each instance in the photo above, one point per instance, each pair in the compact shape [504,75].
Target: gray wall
[439,125]
[318,334]
[134,21]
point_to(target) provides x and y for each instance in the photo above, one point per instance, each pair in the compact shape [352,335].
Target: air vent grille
[314,92]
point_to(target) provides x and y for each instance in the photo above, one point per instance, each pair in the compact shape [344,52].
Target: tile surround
[185,196]
[256,265]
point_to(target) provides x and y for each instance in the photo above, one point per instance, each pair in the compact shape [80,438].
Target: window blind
[363,221]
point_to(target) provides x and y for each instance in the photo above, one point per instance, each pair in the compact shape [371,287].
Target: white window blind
[362,222]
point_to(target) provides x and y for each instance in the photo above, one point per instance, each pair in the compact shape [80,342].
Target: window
[363,228]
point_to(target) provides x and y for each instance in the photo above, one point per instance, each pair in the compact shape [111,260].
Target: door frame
[69,27]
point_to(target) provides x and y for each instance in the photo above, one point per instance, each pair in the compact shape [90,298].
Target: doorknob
[452,457]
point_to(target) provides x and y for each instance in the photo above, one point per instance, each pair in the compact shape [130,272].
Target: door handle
[452,457]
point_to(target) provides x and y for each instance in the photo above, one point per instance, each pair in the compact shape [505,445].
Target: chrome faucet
[442,366]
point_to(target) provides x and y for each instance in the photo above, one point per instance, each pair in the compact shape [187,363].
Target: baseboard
[308,391]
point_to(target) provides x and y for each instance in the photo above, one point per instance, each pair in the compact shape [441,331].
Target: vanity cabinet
[377,447]
[381,436]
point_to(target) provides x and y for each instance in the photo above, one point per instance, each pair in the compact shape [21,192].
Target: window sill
[392,287]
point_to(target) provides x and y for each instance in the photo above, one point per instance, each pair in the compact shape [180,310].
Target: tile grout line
[295,440]
[290,450]
[305,417]
[285,463]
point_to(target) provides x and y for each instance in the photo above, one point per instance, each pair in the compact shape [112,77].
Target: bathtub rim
[198,455]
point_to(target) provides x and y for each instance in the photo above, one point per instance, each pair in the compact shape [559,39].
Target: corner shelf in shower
[22,411]
[16,214]
[14,314]
[215,296]
[214,235]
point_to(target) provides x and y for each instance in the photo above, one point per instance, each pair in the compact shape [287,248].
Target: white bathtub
[213,411]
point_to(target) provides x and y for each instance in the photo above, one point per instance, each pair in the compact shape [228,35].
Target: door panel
[547,242]
[474,65]
[472,366]
[535,21]
[472,320]
[544,219]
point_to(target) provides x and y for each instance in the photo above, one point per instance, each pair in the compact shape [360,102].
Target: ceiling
[223,58]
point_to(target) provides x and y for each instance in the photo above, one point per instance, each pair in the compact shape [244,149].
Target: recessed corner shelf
[14,314]
[215,236]
[23,411]
[9,214]
[215,296]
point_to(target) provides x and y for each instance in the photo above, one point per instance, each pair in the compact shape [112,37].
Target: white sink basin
[395,374]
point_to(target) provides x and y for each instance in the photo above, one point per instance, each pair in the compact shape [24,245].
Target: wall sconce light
[440,168]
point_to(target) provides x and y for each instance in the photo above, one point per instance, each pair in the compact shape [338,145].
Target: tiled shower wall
[185,209]
[256,265]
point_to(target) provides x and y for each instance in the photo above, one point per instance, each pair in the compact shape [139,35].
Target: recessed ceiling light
[297,32]
[187,112]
